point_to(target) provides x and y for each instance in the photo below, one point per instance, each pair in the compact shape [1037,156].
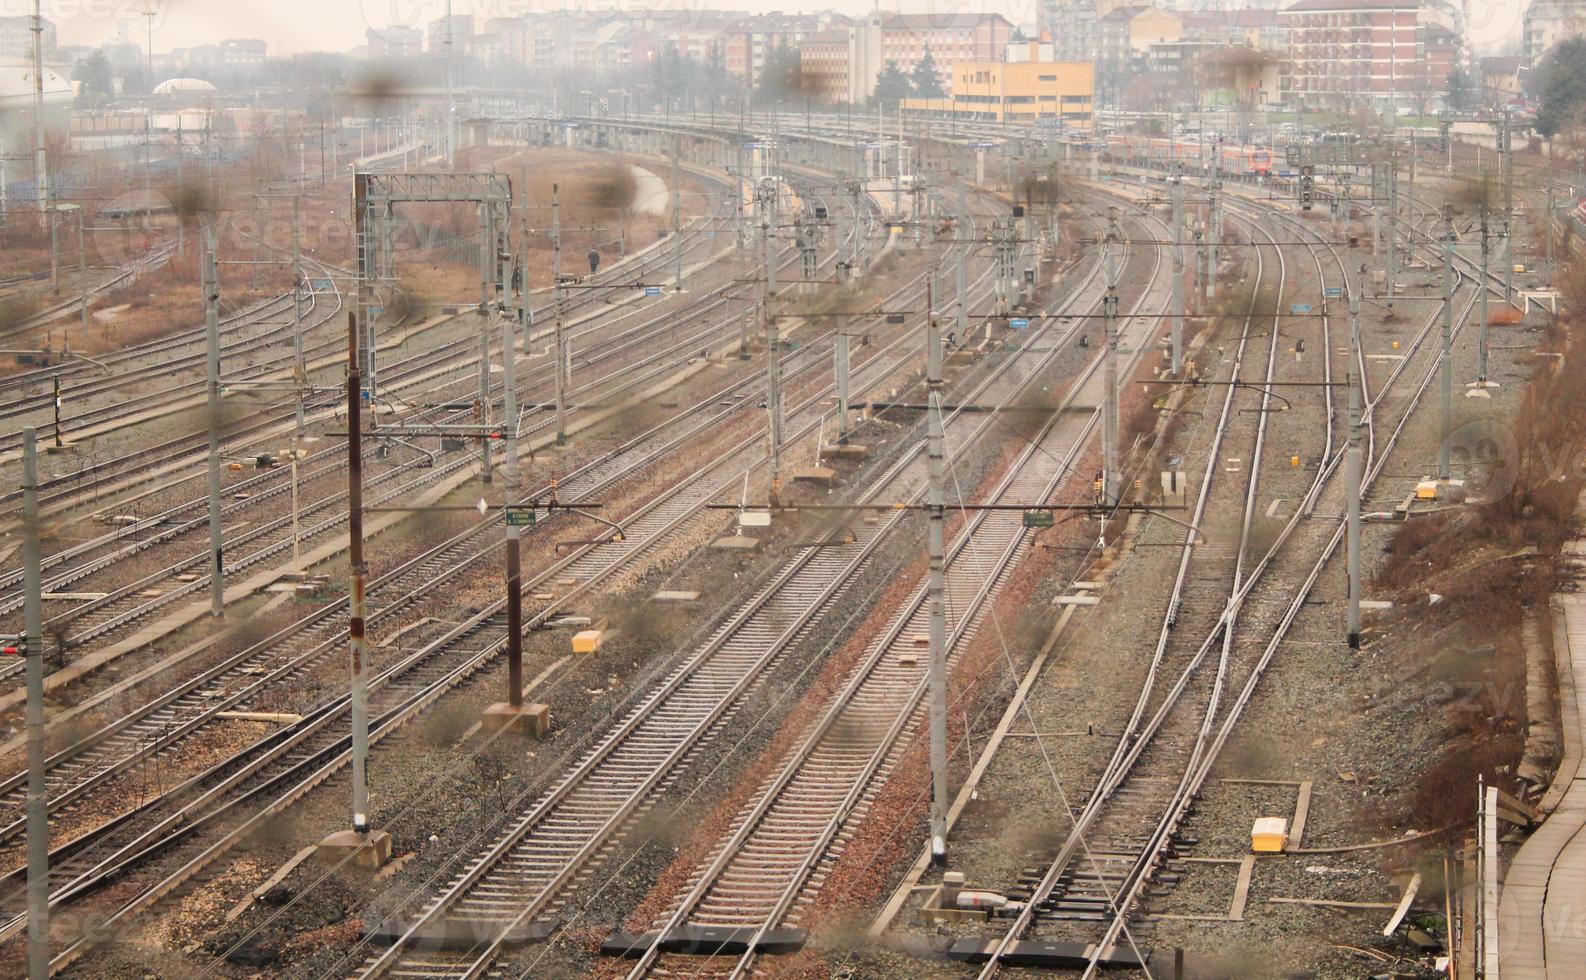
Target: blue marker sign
[1298,308]
[1333,292]
[1019,322]
[652,290]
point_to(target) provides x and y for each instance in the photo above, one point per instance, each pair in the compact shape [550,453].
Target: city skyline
[294,26]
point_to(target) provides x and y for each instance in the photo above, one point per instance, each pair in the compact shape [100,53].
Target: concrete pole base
[369,850]
[528,719]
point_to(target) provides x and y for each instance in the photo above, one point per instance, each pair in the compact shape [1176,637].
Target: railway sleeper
[460,933]
[705,941]
[1049,955]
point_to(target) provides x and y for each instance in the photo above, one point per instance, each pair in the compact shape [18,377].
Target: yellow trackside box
[588,641]
[1269,835]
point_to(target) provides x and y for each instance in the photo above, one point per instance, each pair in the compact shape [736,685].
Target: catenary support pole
[841,368]
[1353,465]
[560,300]
[773,402]
[1481,327]
[211,289]
[41,171]
[677,219]
[514,615]
[1110,488]
[38,826]
[1177,320]
[355,624]
[1506,167]
[299,368]
[1443,460]
[487,271]
[83,275]
[1392,258]
[936,499]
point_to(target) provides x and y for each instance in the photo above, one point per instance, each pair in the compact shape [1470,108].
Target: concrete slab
[851,450]
[666,595]
[528,718]
[368,850]
[736,542]
[819,475]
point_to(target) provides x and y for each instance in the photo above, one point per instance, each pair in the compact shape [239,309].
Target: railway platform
[1542,909]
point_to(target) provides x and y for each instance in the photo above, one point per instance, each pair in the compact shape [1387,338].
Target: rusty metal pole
[514,616]
[355,622]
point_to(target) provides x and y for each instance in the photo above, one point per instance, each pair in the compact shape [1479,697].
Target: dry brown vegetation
[1477,558]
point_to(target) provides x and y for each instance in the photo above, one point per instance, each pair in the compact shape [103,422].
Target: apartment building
[1024,85]
[394,42]
[950,38]
[1546,23]
[841,64]
[16,38]
[1349,53]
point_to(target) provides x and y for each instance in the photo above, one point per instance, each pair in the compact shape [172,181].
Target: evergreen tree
[892,86]
[927,79]
[1459,90]
[1561,83]
[98,80]
[781,76]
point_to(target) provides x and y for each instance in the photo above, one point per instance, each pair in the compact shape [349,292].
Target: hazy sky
[336,25]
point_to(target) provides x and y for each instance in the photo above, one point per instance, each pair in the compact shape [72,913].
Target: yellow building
[1025,86]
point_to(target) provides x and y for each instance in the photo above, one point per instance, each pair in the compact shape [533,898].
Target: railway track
[525,874]
[1180,690]
[126,604]
[294,652]
[98,476]
[1127,827]
[767,874]
[156,258]
[129,603]
[482,638]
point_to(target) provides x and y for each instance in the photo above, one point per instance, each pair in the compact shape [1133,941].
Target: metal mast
[1110,409]
[211,290]
[1177,321]
[936,499]
[38,825]
[1353,463]
[1443,468]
